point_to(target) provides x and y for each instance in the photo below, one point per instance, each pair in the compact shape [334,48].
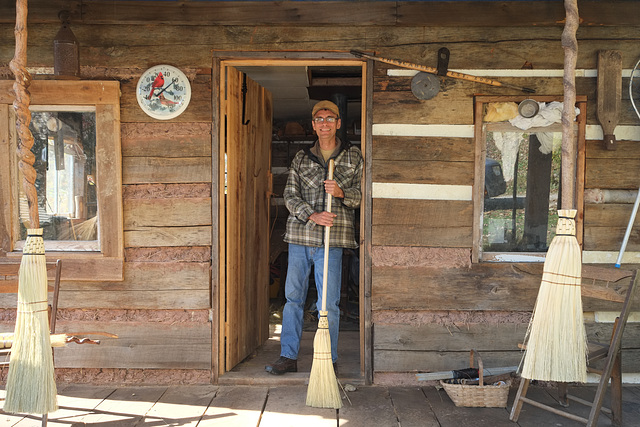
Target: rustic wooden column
[570,46]
[26,158]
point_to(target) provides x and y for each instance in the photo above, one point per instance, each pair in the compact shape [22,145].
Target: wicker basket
[477,395]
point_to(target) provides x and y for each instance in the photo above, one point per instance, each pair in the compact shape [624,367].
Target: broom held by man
[305,198]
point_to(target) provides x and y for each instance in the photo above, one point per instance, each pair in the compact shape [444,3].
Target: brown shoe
[282,365]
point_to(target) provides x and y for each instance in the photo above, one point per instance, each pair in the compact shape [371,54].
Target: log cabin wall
[429,303]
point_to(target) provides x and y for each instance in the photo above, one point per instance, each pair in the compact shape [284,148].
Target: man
[305,198]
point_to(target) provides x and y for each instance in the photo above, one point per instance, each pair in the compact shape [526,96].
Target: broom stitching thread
[561,284]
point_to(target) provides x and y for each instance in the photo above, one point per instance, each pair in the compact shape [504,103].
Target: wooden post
[26,158]
[570,46]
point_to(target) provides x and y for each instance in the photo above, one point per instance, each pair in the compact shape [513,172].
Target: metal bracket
[443,61]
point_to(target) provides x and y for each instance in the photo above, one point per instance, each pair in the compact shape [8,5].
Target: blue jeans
[301,258]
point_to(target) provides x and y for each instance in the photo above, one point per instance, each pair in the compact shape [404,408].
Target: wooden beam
[366,323]
[422,14]
[336,81]
[512,13]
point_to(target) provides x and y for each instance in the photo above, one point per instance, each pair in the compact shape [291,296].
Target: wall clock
[163,92]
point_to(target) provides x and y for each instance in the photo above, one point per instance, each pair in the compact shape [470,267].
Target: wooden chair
[10,285]
[597,351]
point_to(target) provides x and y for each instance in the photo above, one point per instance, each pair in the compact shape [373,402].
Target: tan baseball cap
[326,105]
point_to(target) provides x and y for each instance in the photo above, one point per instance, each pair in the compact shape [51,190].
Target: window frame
[477,255]
[107,263]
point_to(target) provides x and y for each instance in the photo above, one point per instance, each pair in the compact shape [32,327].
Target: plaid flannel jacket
[304,194]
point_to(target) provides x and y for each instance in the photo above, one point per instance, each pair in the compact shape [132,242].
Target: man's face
[323,125]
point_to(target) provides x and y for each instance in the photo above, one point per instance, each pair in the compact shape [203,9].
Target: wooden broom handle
[569,149]
[327,232]
[26,158]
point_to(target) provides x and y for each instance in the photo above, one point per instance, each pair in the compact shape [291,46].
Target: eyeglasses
[325,119]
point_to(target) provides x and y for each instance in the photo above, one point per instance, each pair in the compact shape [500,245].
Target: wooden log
[449,338]
[51,92]
[444,108]
[422,213]
[610,239]
[485,286]
[609,215]
[605,226]
[168,236]
[452,237]
[423,172]
[434,223]
[408,14]
[431,361]
[624,150]
[166,139]
[169,170]
[485,336]
[126,299]
[167,213]
[148,276]
[422,149]
[612,173]
[140,345]
[224,13]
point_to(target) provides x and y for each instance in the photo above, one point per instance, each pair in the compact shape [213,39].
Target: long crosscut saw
[433,70]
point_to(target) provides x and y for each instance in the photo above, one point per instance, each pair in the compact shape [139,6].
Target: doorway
[240,346]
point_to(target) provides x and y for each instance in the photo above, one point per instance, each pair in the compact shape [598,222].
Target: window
[520,187]
[76,129]
[65,152]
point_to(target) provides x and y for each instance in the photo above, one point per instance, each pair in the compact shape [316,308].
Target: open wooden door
[245,289]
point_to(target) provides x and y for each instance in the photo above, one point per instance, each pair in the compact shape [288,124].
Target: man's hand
[323,218]
[332,187]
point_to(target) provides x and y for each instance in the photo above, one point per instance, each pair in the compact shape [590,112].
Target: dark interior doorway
[295,89]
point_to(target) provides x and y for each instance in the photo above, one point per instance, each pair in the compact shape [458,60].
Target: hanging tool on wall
[244,98]
[432,70]
[426,85]
[609,94]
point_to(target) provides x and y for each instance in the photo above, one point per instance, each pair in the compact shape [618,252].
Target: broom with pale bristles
[31,386]
[323,391]
[556,342]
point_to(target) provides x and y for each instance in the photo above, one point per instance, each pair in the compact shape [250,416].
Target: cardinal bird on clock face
[157,82]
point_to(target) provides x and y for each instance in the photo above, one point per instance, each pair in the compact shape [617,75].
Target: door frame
[239,58]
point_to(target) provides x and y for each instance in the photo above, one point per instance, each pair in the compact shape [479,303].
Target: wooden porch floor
[284,406]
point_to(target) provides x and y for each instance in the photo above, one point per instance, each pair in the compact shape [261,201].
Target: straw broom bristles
[31,386]
[323,391]
[556,343]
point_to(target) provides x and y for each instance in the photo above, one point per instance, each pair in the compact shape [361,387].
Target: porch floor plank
[412,407]
[262,406]
[370,406]
[235,406]
[181,405]
[75,402]
[126,406]
[286,407]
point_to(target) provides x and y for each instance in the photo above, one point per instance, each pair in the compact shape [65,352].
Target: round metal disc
[425,85]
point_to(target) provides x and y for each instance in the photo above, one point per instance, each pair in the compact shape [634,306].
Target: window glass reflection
[65,162]
[521,192]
